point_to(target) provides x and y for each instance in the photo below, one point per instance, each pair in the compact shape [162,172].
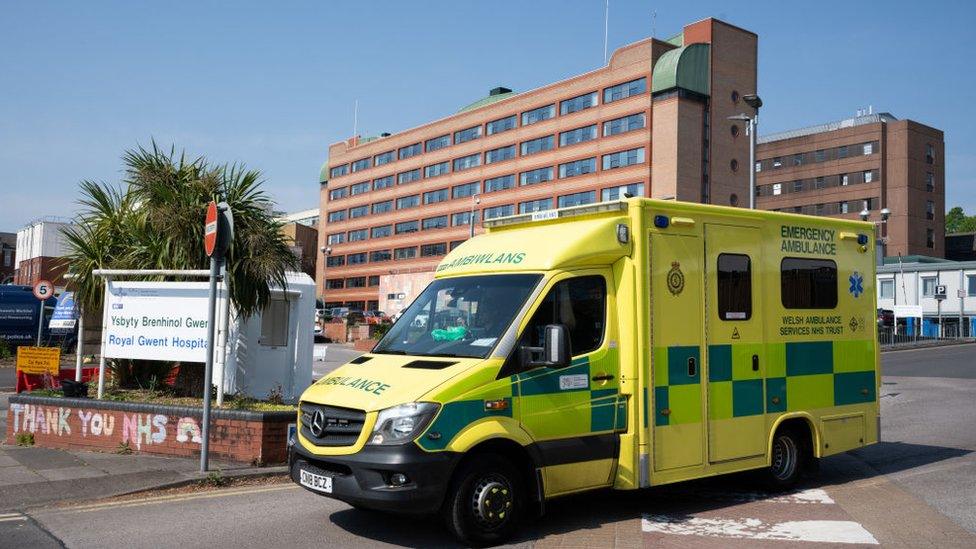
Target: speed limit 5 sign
[43,289]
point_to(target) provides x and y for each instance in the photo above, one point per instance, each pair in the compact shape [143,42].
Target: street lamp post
[752,123]
[326,252]
[474,204]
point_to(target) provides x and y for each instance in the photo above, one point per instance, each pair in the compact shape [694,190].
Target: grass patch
[123,449]
[24,438]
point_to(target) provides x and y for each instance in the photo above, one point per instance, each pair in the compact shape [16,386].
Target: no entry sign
[210,229]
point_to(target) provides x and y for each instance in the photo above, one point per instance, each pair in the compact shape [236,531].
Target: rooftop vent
[498,91]
[385,134]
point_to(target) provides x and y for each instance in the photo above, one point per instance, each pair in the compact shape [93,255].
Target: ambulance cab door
[676,338]
[575,413]
[735,354]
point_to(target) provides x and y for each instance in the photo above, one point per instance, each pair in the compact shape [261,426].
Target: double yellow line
[155,500]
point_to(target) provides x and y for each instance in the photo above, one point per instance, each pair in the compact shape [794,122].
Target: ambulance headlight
[402,423]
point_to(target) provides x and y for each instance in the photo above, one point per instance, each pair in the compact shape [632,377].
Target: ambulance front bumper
[367,478]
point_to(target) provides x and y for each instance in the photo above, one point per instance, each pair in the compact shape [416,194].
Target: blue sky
[272,84]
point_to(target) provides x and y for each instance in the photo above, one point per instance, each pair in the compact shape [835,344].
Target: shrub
[24,438]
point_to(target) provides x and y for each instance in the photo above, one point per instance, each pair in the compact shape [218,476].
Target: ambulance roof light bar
[571,211]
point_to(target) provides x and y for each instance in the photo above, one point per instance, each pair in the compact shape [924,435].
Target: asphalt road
[916,488]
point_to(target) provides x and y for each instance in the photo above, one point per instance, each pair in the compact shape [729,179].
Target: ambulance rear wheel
[485,501]
[789,454]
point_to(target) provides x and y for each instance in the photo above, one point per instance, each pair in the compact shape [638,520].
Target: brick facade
[31,271]
[84,424]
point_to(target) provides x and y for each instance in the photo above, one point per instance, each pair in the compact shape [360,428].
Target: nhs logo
[116,305]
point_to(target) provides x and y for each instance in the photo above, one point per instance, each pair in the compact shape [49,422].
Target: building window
[843,151]
[734,287]
[868,148]
[929,238]
[868,176]
[405,253]
[408,201]
[819,182]
[466,162]
[339,170]
[579,167]
[356,282]
[382,182]
[434,170]
[538,115]
[336,238]
[469,134]
[382,207]
[616,193]
[623,125]
[358,234]
[407,227]
[577,199]
[429,250]
[777,162]
[381,231]
[819,209]
[929,154]
[844,180]
[357,258]
[336,194]
[377,256]
[499,154]
[456,243]
[408,177]
[339,215]
[777,189]
[359,188]
[887,289]
[820,155]
[410,150]
[437,143]
[374,280]
[797,159]
[971,285]
[362,164]
[535,205]
[438,222]
[622,91]
[358,211]
[462,218]
[623,158]
[928,286]
[383,158]
[577,104]
[929,181]
[532,177]
[843,207]
[758,166]
[499,211]
[466,190]
[335,261]
[499,183]
[334,284]
[501,125]
[433,197]
[808,283]
[797,186]
[579,135]
[929,209]
[537,145]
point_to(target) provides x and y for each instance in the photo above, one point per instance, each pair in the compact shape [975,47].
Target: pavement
[916,488]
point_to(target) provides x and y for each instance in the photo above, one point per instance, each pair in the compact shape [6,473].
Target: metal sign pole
[80,343]
[208,369]
[40,321]
[101,349]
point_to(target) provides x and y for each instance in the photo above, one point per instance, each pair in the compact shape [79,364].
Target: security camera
[885,214]
[752,100]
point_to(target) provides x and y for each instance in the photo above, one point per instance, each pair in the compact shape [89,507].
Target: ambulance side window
[808,283]
[734,287]
[579,304]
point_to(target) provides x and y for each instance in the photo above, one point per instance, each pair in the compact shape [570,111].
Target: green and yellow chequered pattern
[799,376]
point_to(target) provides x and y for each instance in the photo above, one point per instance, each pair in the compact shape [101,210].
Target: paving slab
[69,473]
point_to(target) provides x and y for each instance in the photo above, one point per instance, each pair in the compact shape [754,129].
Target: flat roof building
[652,122]
[871,161]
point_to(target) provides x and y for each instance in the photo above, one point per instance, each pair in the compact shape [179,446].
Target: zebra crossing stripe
[824,531]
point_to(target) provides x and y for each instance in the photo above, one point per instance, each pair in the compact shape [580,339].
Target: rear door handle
[755,363]
[692,368]
[602,377]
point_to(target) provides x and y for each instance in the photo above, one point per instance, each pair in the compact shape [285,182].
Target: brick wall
[84,424]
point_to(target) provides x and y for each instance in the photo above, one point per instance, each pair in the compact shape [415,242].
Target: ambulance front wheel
[790,453]
[485,501]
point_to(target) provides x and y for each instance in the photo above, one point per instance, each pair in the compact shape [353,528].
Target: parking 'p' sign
[43,289]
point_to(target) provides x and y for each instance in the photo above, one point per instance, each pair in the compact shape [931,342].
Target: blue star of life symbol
[857,284]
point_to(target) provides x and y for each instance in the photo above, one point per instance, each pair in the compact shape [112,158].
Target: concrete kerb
[199,478]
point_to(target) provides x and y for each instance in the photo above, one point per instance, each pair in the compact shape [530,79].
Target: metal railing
[890,336]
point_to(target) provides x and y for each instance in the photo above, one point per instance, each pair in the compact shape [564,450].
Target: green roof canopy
[324,172]
[685,67]
[486,101]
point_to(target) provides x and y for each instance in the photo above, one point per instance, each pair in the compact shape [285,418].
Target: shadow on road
[598,509]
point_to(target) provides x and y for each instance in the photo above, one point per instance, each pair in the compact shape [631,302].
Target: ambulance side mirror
[557,350]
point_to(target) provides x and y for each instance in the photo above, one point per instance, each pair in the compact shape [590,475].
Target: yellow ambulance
[624,344]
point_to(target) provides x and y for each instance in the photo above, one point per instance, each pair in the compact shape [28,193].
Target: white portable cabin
[273,348]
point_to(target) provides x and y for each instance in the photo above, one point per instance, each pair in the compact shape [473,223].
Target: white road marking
[12,517]
[827,531]
[812,495]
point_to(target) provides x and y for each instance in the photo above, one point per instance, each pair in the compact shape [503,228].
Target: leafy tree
[154,220]
[956,221]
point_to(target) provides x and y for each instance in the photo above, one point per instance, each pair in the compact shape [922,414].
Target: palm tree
[155,221]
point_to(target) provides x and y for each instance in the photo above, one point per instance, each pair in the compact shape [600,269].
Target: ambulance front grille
[330,425]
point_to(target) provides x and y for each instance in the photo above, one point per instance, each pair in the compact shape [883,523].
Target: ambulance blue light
[661,221]
[862,239]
